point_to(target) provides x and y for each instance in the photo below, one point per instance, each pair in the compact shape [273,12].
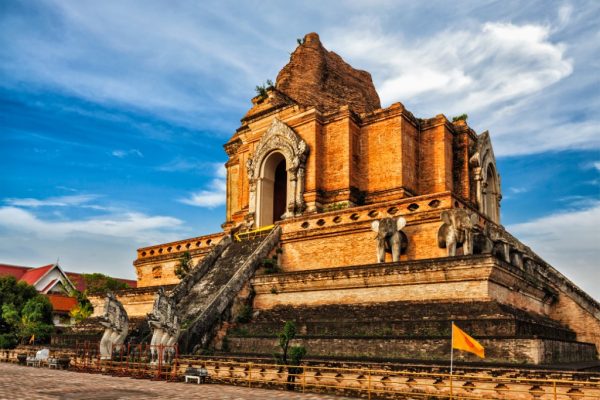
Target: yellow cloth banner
[462,341]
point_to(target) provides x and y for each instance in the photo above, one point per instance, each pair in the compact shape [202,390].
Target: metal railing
[249,235]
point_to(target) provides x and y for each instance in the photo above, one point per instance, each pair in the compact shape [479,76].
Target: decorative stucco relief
[487,180]
[279,138]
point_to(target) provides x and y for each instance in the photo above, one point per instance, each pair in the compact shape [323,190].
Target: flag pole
[451,346]
[451,354]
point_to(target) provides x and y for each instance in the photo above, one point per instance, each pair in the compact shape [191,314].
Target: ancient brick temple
[386,228]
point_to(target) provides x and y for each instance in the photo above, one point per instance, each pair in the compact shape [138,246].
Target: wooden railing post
[250,374]
[303,379]
[369,386]
[158,370]
[554,389]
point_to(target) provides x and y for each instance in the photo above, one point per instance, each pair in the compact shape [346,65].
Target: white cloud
[62,201]
[214,195]
[135,55]
[131,224]
[125,153]
[518,190]
[183,165]
[569,241]
[530,84]
[470,68]
[105,243]
[565,13]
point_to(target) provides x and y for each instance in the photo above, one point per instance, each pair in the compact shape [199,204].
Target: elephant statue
[390,237]
[457,230]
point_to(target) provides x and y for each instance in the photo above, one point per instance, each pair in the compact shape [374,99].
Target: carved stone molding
[279,138]
[487,180]
[232,147]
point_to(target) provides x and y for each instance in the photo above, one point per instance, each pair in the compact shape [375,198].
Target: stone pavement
[17,382]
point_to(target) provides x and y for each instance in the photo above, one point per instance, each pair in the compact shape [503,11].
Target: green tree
[13,297]
[24,313]
[290,356]
[36,319]
[81,311]
[101,284]
[184,266]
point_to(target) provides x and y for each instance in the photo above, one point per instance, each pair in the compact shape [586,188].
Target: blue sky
[113,114]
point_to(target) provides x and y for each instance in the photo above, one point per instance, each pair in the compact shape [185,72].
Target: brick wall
[531,351]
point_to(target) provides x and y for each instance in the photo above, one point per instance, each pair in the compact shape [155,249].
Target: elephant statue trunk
[457,230]
[390,238]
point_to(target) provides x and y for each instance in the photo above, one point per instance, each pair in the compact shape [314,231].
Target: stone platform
[399,311]
[406,330]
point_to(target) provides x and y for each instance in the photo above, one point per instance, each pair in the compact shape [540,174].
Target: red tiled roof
[62,303]
[77,280]
[34,274]
[14,270]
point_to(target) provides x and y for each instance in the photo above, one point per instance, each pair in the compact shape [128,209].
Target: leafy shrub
[461,117]
[8,341]
[245,314]
[261,90]
[101,284]
[184,266]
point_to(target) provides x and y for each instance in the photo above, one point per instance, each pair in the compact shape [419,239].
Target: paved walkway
[17,382]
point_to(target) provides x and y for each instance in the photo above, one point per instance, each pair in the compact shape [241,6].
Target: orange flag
[462,341]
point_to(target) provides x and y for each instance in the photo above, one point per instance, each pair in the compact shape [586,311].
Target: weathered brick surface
[409,318]
[320,78]
[533,350]
[377,163]
[155,265]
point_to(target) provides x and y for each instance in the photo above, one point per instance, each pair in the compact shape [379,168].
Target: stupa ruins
[371,228]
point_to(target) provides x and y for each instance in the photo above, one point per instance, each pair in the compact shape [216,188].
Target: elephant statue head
[457,230]
[390,237]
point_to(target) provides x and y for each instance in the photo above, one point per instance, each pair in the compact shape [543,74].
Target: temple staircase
[210,289]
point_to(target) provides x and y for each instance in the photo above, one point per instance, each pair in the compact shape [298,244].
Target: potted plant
[22,358]
[63,362]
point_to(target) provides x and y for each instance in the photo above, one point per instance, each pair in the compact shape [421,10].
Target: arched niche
[279,144]
[486,178]
[491,193]
[272,190]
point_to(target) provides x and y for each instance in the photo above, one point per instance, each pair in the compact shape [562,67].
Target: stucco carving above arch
[487,179]
[279,138]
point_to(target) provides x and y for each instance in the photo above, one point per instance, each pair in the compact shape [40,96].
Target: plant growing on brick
[261,90]
[461,117]
[245,314]
[270,265]
[290,356]
[184,266]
